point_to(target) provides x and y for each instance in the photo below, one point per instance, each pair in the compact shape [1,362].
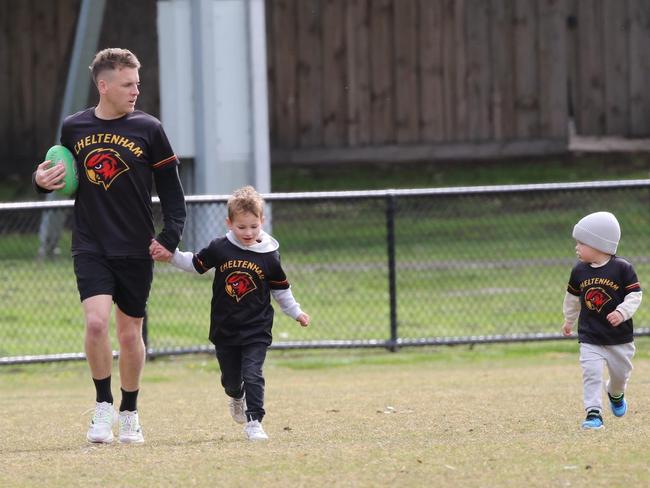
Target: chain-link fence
[373,269]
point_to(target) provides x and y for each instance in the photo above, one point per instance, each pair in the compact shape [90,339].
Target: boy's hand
[304,319]
[158,251]
[567,328]
[615,318]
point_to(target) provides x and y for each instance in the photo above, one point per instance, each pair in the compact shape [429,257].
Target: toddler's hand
[615,318]
[158,251]
[567,328]
[304,319]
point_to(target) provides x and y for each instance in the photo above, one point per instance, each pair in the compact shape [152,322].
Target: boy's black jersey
[600,291]
[117,162]
[241,311]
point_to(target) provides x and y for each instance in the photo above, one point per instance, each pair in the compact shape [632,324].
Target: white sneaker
[237,408]
[130,430]
[254,431]
[101,426]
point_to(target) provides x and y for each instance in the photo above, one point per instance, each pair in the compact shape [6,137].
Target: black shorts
[127,280]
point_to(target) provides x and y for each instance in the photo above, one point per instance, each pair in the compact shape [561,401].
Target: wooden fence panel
[369,74]
[381,73]
[616,33]
[572,54]
[334,73]
[407,102]
[479,69]
[449,68]
[310,73]
[358,75]
[461,128]
[270,72]
[502,99]
[6,114]
[46,77]
[614,61]
[639,55]
[22,81]
[432,97]
[553,73]
[67,12]
[283,112]
[526,70]
[590,94]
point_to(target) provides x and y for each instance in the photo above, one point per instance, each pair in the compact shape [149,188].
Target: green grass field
[497,416]
[481,416]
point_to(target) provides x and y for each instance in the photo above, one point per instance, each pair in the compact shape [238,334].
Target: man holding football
[120,153]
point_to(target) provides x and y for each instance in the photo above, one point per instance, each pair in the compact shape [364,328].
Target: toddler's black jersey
[241,311]
[116,161]
[600,291]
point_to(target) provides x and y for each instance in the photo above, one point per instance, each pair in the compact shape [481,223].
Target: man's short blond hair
[111,59]
[245,200]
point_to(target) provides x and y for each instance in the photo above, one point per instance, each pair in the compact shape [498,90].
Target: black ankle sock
[129,401]
[591,414]
[103,390]
[616,400]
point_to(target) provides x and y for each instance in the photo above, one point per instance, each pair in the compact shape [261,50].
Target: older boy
[247,272]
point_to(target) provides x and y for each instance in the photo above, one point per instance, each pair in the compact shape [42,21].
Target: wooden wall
[34,48]
[609,68]
[36,39]
[375,72]
[374,78]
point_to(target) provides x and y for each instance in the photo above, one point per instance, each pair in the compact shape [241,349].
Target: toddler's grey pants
[619,364]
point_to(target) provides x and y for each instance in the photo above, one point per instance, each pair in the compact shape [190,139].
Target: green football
[71,181]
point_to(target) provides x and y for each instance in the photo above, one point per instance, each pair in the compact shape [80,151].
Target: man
[120,152]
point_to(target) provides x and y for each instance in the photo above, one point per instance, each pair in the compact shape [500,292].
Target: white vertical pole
[259,94]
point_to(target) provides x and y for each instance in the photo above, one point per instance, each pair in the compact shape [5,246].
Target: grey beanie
[599,230]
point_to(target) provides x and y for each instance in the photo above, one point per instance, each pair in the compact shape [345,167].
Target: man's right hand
[50,178]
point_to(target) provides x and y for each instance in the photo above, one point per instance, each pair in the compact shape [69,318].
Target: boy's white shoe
[130,430]
[254,431]
[237,407]
[101,426]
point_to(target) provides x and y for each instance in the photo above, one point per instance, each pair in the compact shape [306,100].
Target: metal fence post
[392,286]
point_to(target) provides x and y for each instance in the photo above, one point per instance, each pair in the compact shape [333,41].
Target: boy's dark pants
[241,371]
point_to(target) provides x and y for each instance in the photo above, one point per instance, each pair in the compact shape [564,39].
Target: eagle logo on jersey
[596,298]
[103,166]
[239,284]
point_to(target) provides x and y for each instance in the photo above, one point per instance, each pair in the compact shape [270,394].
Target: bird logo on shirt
[103,166]
[239,284]
[596,299]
